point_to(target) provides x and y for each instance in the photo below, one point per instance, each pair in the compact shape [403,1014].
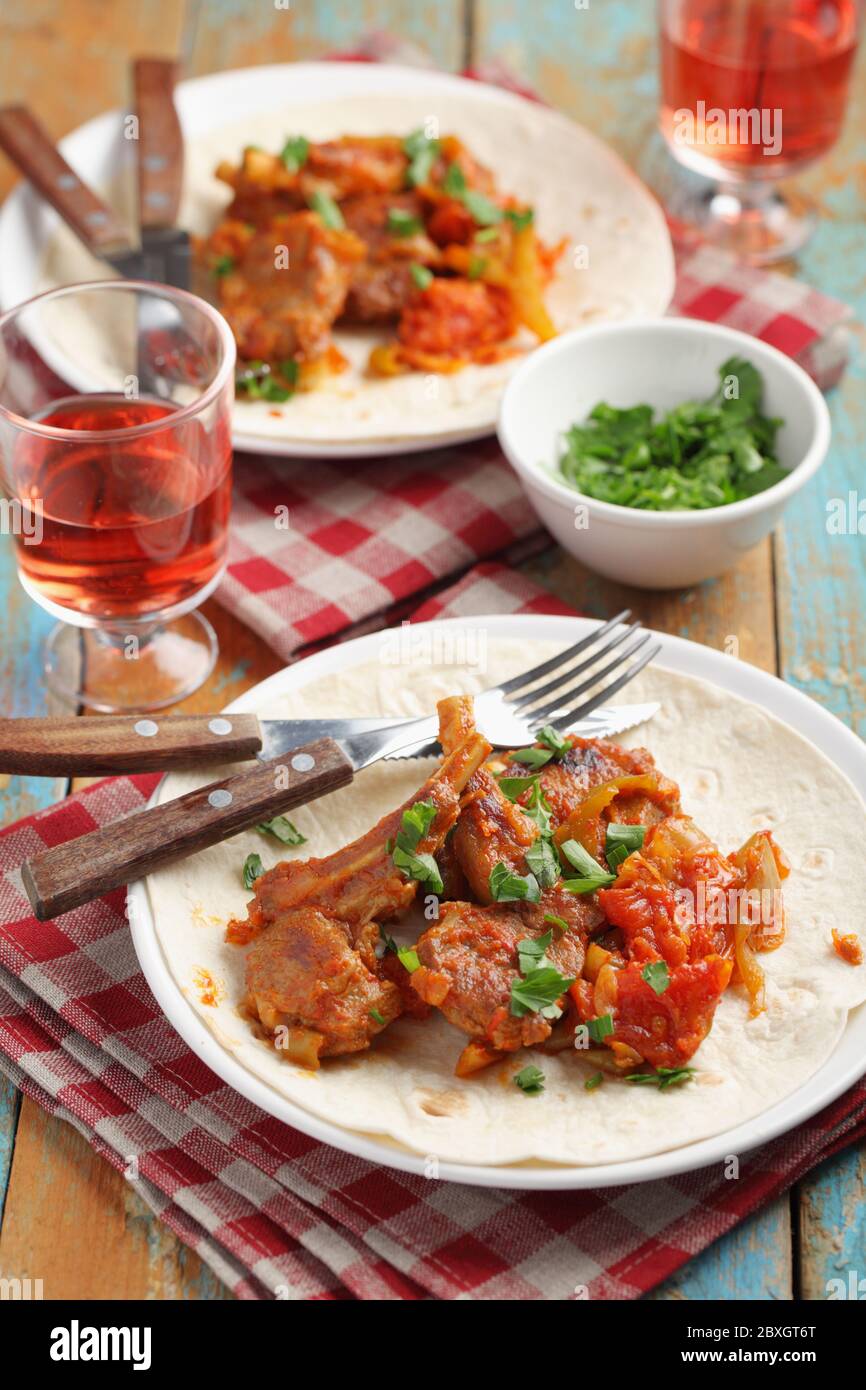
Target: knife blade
[280,735]
[110,743]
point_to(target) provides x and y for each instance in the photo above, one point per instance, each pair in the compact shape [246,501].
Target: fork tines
[558,699]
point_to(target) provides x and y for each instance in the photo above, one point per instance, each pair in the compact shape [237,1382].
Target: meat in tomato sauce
[541,929]
[409,232]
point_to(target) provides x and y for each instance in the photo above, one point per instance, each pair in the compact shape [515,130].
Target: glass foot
[760,223]
[135,668]
[760,226]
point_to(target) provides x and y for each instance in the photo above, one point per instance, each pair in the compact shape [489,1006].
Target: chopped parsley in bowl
[699,454]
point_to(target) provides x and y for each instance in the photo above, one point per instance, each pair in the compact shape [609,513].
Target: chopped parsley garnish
[521,217]
[591,875]
[542,861]
[514,787]
[553,740]
[407,955]
[507,886]
[223,265]
[421,275]
[253,869]
[538,992]
[294,152]
[554,746]
[530,1080]
[558,922]
[593,1082]
[533,757]
[376,1016]
[479,207]
[282,829]
[699,454]
[422,867]
[408,958]
[389,942]
[454,182]
[541,984]
[259,381]
[587,885]
[537,807]
[414,825]
[476,268]
[663,1077]
[530,952]
[655,974]
[324,205]
[485,234]
[623,837]
[403,223]
[422,153]
[600,1028]
[616,856]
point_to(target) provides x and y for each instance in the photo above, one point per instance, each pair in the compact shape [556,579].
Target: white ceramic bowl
[663,362]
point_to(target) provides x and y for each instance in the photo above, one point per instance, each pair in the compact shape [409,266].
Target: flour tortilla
[580,190]
[739,770]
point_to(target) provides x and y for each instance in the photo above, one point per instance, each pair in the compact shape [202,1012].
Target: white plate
[580,188]
[846,1064]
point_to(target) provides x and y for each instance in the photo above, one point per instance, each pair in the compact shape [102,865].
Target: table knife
[104,744]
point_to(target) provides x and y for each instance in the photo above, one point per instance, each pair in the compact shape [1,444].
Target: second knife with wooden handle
[116,743]
[63,878]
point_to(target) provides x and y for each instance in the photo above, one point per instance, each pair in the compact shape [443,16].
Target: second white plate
[581,190]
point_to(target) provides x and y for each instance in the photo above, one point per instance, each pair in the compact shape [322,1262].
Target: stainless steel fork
[511,713]
[566,688]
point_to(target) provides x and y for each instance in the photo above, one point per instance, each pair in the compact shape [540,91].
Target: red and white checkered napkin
[364,533]
[274,1213]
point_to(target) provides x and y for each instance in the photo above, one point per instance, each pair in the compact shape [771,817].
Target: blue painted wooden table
[794,605]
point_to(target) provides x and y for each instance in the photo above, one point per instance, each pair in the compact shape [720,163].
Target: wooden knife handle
[31,149]
[110,743]
[160,142]
[83,869]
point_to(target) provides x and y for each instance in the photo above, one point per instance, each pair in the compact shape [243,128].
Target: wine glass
[115,480]
[751,92]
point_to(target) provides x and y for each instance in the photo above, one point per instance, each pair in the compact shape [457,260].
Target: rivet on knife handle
[160,150]
[74,873]
[104,744]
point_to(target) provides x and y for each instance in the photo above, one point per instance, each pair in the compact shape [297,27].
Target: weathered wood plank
[752,1262]
[833,1228]
[733,613]
[598,64]
[70,60]
[822,592]
[238,33]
